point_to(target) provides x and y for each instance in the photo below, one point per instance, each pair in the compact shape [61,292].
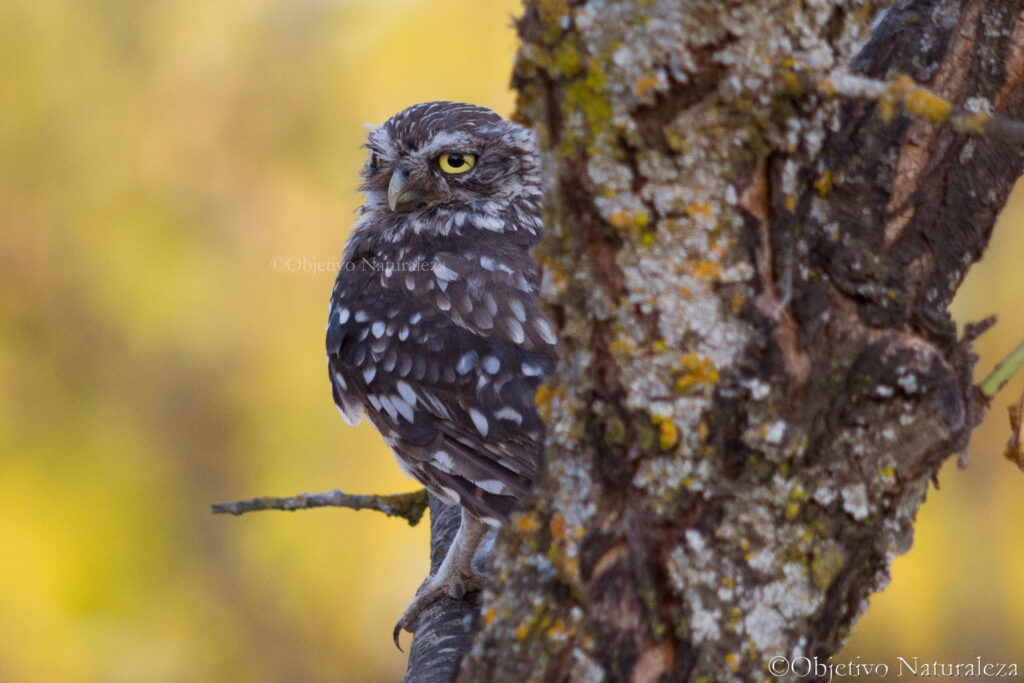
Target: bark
[758,373]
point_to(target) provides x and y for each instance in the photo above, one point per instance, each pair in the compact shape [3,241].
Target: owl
[434,331]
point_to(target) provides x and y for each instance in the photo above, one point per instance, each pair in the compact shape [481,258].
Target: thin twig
[1006,369]
[409,506]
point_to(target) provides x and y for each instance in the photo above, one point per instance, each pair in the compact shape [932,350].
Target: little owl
[434,331]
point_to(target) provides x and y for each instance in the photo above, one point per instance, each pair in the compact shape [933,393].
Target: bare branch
[902,95]
[409,506]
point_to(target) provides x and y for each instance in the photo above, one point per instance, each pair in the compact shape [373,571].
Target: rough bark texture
[759,376]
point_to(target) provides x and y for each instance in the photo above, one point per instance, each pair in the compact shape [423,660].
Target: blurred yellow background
[176,183]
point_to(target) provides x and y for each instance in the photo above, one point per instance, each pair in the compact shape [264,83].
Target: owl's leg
[454,578]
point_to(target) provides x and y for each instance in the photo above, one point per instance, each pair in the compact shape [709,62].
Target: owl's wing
[339,326]
[447,366]
[492,295]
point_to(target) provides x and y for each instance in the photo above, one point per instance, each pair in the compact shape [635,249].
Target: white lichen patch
[703,622]
[776,605]
[825,495]
[766,628]
[775,432]
[794,596]
[577,505]
[762,560]
[666,475]
[855,501]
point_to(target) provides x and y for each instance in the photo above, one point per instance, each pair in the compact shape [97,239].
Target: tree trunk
[758,373]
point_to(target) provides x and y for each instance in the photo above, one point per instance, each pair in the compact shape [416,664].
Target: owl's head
[449,155]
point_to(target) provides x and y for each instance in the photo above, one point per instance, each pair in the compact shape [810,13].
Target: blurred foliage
[176,183]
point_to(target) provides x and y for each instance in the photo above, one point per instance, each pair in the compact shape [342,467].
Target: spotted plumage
[434,332]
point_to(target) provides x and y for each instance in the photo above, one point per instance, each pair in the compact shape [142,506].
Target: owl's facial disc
[400,191]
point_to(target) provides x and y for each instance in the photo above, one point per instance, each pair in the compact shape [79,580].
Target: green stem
[1006,369]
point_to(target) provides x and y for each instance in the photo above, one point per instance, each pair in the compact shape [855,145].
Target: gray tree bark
[758,373]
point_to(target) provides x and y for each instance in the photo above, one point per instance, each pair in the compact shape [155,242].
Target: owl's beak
[399,191]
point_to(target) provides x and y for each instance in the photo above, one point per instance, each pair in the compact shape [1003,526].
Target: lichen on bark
[758,376]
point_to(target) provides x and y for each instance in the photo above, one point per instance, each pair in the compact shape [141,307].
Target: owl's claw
[454,578]
[456,585]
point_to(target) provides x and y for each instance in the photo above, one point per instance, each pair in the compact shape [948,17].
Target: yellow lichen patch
[552,275]
[790,202]
[660,345]
[571,568]
[669,435]
[522,631]
[566,59]
[677,141]
[543,398]
[552,10]
[645,85]
[975,123]
[620,219]
[791,82]
[735,618]
[557,629]
[824,183]
[614,431]
[926,104]
[558,527]
[685,292]
[736,303]
[733,661]
[490,614]
[701,210]
[587,96]
[796,498]
[621,346]
[707,270]
[685,383]
[698,370]
[526,523]
[825,566]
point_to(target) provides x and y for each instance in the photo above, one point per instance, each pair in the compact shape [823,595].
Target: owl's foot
[436,588]
[454,578]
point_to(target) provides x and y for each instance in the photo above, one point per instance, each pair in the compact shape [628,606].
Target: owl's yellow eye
[456,162]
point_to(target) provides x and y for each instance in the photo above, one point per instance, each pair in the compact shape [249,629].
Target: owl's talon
[397,633]
[455,578]
[433,589]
